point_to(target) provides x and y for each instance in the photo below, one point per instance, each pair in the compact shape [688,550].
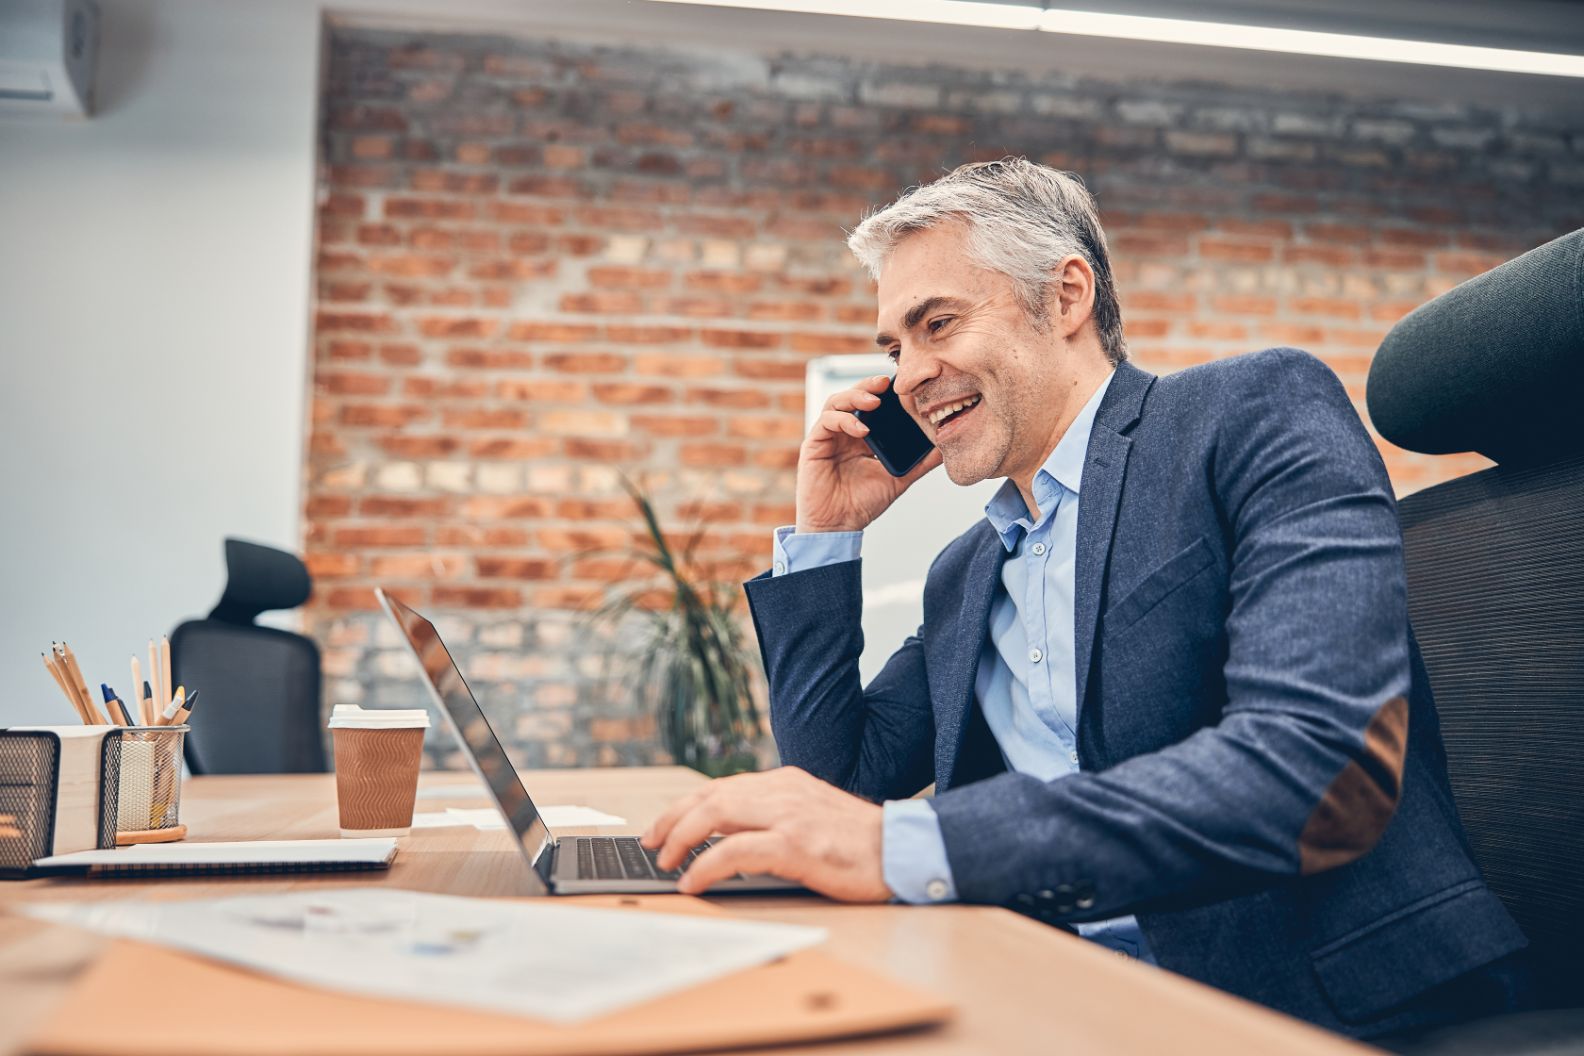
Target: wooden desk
[1021,986]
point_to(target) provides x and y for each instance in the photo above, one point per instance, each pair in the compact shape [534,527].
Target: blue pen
[114,706]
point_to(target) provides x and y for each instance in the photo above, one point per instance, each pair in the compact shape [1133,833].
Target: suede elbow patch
[1359,804]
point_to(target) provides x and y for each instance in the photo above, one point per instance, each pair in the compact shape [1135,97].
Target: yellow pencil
[76,677]
[71,696]
[144,718]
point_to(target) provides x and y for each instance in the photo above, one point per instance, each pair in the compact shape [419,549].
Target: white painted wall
[154,281]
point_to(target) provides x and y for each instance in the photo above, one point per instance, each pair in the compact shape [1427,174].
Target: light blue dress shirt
[1026,685]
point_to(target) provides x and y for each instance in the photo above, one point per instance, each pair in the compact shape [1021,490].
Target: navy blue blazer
[1262,777]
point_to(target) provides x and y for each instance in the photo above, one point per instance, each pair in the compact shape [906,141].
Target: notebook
[207,859]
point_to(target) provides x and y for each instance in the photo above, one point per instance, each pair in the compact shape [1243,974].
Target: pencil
[137,681]
[187,707]
[82,686]
[149,705]
[165,678]
[175,706]
[154,677]
[61,682]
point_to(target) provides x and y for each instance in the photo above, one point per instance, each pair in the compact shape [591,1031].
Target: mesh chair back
[1496,594]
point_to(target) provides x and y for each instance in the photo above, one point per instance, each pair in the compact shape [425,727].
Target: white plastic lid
[352,717]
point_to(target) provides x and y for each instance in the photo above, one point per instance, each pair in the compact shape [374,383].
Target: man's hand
[841,486]
[785,822]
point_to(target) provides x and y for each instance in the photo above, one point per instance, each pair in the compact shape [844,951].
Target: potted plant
[692,664]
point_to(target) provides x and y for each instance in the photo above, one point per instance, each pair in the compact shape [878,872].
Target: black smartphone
[894,437]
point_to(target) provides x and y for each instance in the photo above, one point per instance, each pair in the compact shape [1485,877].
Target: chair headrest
[1495,365]
[258,579]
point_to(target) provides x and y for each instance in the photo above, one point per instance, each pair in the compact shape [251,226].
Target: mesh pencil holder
[144,775]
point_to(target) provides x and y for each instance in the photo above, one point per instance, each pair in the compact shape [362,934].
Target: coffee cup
[377,756]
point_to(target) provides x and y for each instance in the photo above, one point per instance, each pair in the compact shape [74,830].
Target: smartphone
[894,437]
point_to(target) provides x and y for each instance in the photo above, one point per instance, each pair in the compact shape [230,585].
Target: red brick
[417,566]
[835,344]
[350,350]
[469,598]
[693,307]
[603,302]
[403,506]
[492,567]
[348,599]
[771,369]
[400,355]
[646,335]
[390,415]
[712,456]
[723,282]
[399,208]
[356,537]
[475,535]
[591,450]
[1236,251]
[667,366]
[360,322]
[582,539]
[485,418]
[610,276]
[512,448]
[1326,306]
[629,394]
[688,426]
[489,359]
[779,428]
[1244,304]
[585,362]
[542,390]
[463,326]
[738,399]
[503,508]
[419,446]
[740,338]
[1328,256]
[331,565]
[340,383]
[594,509]
[553,333]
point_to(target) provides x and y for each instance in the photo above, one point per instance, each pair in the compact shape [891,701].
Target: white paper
[453,792]
[365,850]
[530,958]
[567,816]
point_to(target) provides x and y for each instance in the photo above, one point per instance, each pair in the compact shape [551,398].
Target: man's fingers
[719,813]
[840,422]
[863,398]
[655,835]
[747,852]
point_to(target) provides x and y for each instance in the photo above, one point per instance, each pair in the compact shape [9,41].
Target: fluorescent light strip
[1178,31]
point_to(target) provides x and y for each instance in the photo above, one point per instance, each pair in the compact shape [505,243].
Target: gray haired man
[1165,690]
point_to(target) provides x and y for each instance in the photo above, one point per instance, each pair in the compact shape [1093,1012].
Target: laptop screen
[479,742]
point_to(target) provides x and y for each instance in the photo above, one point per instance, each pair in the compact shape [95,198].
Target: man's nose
[913,370]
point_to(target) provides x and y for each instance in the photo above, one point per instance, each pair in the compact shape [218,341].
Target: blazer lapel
[1100,493]
[964,644]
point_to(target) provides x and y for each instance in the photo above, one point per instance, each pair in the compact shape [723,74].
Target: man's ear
[1072,294]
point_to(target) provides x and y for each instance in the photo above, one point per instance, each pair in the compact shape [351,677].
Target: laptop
[568,865]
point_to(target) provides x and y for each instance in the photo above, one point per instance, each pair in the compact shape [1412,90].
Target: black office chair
[258,704]
[1496,594]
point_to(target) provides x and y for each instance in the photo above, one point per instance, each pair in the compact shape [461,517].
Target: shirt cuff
[794,551]
[913,854]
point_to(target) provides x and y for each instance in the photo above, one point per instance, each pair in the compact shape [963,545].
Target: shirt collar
[1063,470]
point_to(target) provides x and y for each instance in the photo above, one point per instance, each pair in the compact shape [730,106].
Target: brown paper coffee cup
[377,757]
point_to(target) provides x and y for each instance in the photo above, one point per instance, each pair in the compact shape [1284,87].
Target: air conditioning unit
[47,53]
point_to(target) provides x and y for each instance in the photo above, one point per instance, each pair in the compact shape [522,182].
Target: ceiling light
[1179,31]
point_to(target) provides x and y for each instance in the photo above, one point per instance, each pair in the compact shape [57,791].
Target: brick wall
[541,264]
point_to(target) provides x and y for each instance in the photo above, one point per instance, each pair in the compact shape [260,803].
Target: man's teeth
[940,414]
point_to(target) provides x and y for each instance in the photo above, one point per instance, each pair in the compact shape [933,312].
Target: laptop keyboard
[624,858]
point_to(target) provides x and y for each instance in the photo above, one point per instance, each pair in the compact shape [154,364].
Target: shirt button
[780,568]
[1035,656]
[1073,756]
[936,890]
[1038,548]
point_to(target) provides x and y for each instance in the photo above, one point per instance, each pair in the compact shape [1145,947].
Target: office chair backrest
[258,705]
[1496,573]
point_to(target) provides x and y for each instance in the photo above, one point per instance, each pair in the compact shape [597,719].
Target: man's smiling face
[972,369]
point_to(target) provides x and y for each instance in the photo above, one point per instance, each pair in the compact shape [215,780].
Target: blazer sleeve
[1304,768]
[876,742]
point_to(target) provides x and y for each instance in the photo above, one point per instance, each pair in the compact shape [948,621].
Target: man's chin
[965,471]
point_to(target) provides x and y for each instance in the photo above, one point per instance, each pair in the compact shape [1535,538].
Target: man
[1166,690]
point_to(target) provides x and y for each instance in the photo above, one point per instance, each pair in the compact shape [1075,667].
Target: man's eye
[937,325]
[893,354]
